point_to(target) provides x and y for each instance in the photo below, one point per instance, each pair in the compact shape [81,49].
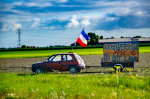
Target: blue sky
[59,22]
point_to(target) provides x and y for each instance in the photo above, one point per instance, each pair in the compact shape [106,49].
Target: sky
[60,22]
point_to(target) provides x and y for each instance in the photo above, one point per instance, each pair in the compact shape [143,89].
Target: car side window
[57,58]
[67,58]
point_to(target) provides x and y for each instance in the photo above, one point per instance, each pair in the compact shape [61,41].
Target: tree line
[92,41]
[95,38]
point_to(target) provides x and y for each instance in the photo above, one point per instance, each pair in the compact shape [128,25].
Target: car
[71,62]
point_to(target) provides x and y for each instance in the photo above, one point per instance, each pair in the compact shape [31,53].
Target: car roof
[65,53]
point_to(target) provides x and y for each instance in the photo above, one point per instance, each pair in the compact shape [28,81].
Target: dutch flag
[82,39]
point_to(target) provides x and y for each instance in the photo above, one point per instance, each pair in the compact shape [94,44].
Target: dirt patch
[24,64]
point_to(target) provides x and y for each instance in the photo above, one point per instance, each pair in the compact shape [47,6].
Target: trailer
[120,55]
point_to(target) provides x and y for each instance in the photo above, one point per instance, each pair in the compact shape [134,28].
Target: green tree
[121,37]
[137,37]
[28,46]
[101,37]
[23,46]
[93,38]
[112,37]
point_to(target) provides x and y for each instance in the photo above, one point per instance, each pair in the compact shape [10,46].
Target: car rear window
[78,57]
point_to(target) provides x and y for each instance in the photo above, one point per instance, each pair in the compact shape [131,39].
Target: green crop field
[77,86]
[46,53]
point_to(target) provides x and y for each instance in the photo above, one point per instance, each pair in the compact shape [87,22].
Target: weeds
[74,86]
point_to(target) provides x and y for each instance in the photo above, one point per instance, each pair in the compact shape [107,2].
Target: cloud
[74,22]
[98,13]
[16,26]
[33,4]
[79,22]
[38,3]
[61,1]
[10,26]
[85,22]
[35,23]
[57,1]
[114,22]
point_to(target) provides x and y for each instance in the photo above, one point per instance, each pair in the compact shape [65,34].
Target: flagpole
[73,46]
[76,41]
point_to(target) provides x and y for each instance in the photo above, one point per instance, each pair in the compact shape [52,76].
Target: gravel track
[24,64]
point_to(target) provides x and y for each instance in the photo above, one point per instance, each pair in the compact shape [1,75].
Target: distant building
[144,40]
[141,40]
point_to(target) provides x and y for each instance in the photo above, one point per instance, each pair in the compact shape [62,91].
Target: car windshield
[50,59]
[54,58]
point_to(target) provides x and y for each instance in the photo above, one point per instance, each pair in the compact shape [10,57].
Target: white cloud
[117,3]
[35,23]
[62,1]
[58,1]
[6,27]
[11,26]
[85,22]
[33,4]
[141,13]
[16,26]
[74,22]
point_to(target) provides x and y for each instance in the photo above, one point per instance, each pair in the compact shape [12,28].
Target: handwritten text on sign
[121,52]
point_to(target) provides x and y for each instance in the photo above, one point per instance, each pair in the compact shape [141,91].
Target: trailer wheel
[118,67]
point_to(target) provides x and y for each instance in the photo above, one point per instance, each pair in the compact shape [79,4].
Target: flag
[82,39]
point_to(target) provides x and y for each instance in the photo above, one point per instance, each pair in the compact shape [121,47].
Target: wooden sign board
[123,52]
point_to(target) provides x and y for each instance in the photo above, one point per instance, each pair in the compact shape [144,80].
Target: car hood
[37,63]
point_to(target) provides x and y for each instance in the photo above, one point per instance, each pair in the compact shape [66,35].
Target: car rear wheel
[73,70]
[79,70]
[38,71]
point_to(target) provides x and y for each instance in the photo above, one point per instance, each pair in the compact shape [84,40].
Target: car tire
[73,70]
[79,70]
[38,71]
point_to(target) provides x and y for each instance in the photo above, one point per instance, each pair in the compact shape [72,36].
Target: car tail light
[79,63]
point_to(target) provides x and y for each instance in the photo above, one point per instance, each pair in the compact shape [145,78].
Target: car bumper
[81,67]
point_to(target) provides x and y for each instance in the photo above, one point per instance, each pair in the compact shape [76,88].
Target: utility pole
[19,31]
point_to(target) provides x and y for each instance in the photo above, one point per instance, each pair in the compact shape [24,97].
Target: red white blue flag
[83,38]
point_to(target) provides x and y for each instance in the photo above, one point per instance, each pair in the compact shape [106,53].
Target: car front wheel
[73,70]
[38,71]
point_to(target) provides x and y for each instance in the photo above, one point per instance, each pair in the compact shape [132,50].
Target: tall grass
[46,53]
[78,86]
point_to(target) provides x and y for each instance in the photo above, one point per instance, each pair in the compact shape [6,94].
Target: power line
[48,37]
[7,36]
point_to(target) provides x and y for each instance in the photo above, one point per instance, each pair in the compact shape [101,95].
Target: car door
[67,60]
[54,63]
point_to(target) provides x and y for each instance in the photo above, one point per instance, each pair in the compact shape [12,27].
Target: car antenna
[70,52]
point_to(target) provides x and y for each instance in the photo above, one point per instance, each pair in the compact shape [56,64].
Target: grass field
[46,53]
[77,86]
